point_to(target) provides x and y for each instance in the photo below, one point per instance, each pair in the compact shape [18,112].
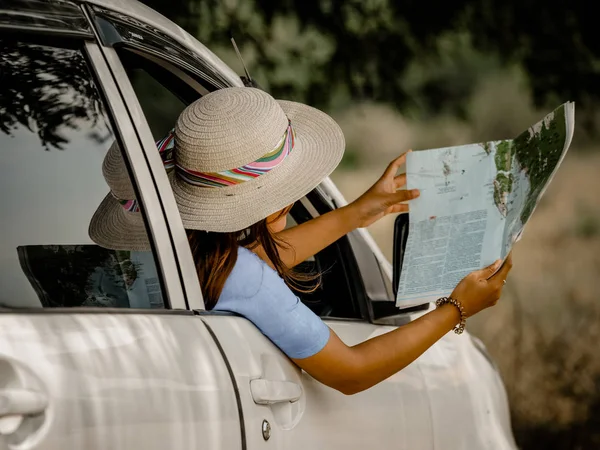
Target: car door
[79,366]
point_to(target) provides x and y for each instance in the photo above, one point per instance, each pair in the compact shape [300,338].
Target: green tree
[328,51]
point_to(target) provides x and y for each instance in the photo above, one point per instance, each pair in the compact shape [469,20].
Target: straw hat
[118,224]
[241,155]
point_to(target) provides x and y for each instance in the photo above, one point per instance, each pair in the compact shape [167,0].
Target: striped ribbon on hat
[244,173]
[128,205]
[166,150]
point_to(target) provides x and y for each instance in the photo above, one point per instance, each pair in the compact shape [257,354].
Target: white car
[115,350]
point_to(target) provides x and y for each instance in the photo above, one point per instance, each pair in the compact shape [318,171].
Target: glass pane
[154,87]
[161,108]
[54,136]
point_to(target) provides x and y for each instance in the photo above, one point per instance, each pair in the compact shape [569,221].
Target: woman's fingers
[398,208]
[400,181]
[498,280]
[488,271]
[393,167]
[404,195]
[500,276]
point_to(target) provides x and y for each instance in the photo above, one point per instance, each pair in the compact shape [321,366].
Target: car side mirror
[399,317]
[400,236]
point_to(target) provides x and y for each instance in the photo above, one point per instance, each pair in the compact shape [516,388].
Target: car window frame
[123,131]
[141,177]
[355,284]
[116,28]
[177,236]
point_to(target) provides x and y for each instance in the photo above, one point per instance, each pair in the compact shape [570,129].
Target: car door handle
[15,404]
[268,392]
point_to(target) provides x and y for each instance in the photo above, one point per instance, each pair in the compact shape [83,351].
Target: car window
[54,136]
[162,95]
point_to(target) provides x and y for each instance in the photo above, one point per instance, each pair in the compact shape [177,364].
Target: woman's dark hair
[215,254]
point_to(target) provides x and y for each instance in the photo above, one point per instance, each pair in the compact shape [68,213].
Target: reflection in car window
[54,134]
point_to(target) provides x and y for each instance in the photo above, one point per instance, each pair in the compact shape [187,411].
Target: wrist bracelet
[458,329]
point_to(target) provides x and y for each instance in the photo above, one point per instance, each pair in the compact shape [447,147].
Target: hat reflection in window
[118,224]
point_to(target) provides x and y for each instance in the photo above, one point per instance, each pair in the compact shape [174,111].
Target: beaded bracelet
[458,329]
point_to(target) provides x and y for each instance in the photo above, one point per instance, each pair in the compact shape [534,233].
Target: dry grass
[544,332]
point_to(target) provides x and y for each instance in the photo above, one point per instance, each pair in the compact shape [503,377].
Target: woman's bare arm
[309,238]
[354,369]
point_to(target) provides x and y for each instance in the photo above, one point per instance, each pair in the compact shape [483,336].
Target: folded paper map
[475,202]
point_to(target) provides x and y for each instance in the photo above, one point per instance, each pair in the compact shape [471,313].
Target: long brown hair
[215,254]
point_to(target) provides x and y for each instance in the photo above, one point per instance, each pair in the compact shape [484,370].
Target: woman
[241,160]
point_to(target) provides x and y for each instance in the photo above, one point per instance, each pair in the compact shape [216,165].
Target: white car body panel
[449,398]
[119,382]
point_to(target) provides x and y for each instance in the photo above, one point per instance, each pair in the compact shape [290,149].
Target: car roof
[146,14]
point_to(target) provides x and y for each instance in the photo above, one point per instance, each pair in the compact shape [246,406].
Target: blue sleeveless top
[257,292]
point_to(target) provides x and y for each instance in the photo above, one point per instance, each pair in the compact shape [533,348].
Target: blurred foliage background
[417,74]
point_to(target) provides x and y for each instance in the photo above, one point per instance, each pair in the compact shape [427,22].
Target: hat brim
[318,149]
[116,229]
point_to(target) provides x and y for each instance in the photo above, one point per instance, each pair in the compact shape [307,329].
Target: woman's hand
[384,197]
[478,291]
